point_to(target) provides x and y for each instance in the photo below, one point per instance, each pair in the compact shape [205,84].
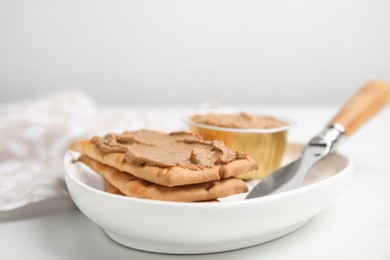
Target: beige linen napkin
[34,136]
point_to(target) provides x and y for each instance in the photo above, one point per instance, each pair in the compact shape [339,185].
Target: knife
[358,110]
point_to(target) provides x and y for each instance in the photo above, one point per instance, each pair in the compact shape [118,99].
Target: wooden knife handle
[363,105]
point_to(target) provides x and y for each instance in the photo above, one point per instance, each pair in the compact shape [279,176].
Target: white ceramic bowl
[190,228]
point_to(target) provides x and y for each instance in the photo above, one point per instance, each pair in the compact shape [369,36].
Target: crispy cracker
[134,187]
[165,176]
[108,187]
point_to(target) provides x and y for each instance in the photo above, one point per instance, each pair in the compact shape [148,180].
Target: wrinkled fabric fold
[34,136]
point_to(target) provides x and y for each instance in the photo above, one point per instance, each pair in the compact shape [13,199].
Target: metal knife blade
[368,101]
[292,175]
[275,180]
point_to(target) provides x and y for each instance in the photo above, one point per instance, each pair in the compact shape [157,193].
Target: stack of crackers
[176,166]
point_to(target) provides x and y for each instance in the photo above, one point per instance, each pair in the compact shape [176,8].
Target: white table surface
[355,226]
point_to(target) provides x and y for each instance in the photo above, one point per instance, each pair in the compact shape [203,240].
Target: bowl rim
[69,159]
[291,123]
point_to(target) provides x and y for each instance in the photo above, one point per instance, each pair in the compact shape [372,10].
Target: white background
[254,52]
[186,52]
